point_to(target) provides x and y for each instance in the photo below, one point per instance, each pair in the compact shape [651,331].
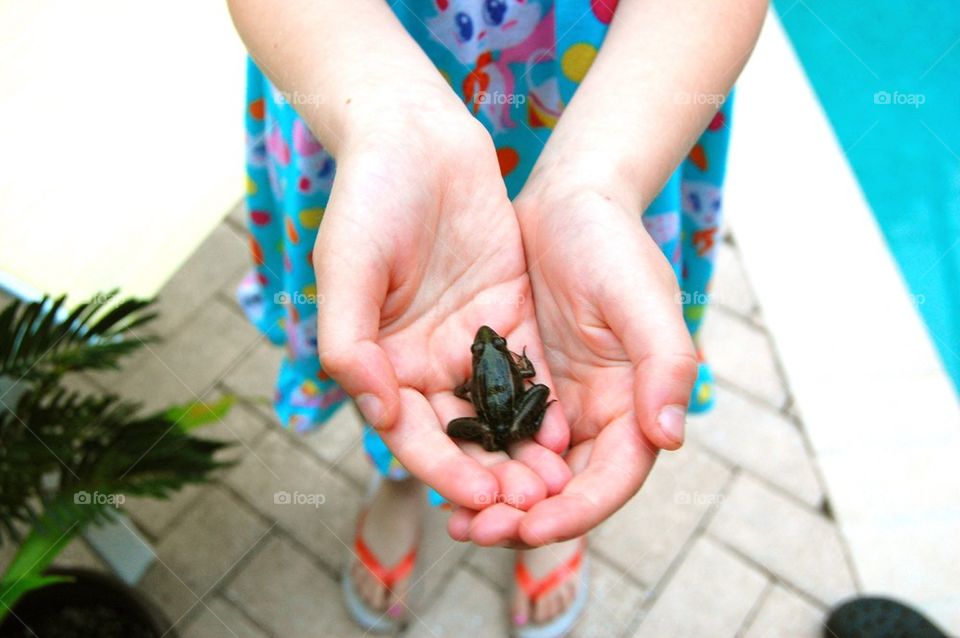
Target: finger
[352,282]
[462,520]
[458,525]
[617,463]
[548,465]
[520,487]
[656,339]
[496,525]
[428,453]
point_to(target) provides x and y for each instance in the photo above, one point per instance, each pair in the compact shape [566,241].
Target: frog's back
[496,398]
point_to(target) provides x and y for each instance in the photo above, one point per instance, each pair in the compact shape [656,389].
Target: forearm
[653,88]
[351,62]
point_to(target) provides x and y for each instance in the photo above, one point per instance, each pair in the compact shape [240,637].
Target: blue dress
[515,64]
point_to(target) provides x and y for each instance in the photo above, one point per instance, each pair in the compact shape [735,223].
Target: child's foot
[388,533]
[550,588]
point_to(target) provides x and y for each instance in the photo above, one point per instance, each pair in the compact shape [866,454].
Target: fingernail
[520,619]
[370,408]
[395,610]
[671,422]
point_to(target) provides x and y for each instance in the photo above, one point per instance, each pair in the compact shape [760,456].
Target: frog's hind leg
[529,413]
[473,429]
[524,365]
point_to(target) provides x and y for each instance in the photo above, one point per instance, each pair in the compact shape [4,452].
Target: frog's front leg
[462,391]
[472,429]
[524,365]
[529,414]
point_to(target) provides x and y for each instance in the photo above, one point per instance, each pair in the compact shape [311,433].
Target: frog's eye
[500,342]
[476,348]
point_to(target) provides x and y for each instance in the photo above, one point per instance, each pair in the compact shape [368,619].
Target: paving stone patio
[729,537]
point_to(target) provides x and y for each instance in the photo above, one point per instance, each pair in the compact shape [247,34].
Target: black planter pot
[94,605]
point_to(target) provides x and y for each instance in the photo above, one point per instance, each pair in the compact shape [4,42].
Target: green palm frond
[37,341]
[68,459]
[58,446]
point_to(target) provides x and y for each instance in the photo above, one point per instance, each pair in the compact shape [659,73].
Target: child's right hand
[419,247]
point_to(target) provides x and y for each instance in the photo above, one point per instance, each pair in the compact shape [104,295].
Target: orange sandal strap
[535,589]
[386,575]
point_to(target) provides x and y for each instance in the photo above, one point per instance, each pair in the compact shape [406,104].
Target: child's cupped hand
[418,248]
[621,359]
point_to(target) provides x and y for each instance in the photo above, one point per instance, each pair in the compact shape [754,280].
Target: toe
[540,610]
[360,583]
[521,608]
[395,601]
[373,591]
[359,577]
[556,603]
[553,607]
[364,588]
[380,595]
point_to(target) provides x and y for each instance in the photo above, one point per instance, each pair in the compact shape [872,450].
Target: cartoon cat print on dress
[487,35]
[316,166]
[278,158]
[701,210]
[544,104]
[301,336]
[277,149]
[250,296]
[664,228]
[256,150]
[309,395]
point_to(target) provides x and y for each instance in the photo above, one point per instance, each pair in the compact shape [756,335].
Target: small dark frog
[507,410]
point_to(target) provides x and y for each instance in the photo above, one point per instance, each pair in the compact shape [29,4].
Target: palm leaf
[95,446]
[35,343]
[67,458]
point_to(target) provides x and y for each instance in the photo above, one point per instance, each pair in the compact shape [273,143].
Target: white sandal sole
[368,619]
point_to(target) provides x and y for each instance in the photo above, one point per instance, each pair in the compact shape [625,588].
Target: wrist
[561,177]
[421,110]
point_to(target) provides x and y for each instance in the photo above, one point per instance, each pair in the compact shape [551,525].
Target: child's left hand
[608,308]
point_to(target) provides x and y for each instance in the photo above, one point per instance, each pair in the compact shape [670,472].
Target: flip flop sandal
[533,589]
[368,618]
[874,617]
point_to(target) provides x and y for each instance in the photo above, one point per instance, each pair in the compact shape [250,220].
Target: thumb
[662,387]
[352,285]
[656,339]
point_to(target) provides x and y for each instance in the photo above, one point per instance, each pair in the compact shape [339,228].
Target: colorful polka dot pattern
[515,64]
